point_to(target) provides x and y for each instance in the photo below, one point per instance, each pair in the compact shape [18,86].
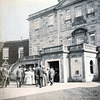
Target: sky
[13,15]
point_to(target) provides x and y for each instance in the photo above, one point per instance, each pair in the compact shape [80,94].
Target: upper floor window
[80,39]
[90,8]
[92,39]
[78,11]
[69,41]
[67,15]
[5,53]
[51,20]
[20,52]
[61,19]
[37,24]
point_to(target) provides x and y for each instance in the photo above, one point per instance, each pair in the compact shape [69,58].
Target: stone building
[66,36]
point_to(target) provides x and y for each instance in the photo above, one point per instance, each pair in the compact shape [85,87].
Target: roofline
[55,7]
[39,13]
[15,41]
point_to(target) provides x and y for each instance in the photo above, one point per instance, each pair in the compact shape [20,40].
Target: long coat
[41,72]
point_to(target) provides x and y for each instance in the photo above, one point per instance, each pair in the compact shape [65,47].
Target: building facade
[12,51]
[66,36]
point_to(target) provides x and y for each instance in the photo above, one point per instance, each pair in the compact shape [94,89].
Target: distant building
[13,50]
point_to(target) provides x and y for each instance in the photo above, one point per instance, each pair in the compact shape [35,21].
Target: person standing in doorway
[52,74]
[19,75]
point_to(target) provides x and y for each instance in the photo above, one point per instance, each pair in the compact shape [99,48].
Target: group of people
[38,76]
[4,76]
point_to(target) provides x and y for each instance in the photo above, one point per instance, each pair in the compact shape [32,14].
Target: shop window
[78,11]
[20,52]
[91,67]
[92,39]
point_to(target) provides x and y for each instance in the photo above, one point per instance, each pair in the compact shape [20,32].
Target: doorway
[55,65]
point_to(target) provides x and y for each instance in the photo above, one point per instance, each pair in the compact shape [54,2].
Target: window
[78,11]
[5,53]
[90,7]
[67,15]
[80,39]
[91,67]
[20,52]
[37,24]
[69,41]
[51,20]
[92,39]
[61,19]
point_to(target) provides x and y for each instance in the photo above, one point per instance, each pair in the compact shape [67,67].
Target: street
[59,91]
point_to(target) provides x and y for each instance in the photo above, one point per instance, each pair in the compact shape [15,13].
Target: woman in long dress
[33,76]
[28,77]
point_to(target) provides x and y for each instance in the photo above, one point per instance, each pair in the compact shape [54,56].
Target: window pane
[51,20]
[80,39]
[90,7]
[69,41]
[78,11]
[37,24]
[21,52]
[92,39]
[67,14]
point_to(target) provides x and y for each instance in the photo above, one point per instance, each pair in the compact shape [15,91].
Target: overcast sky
[13,15]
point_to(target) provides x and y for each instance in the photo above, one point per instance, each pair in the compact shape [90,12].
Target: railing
[85,47]
[59,48]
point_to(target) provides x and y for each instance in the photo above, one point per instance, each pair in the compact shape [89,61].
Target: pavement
[13,92]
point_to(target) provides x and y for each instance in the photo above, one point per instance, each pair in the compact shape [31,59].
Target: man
[41,74]
[52,74]
[19,76]
[36,75]
[5,76]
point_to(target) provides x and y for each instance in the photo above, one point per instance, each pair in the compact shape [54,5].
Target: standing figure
[48,75]
[23,76]
[33,76]
[41,74]
[28,76]
[19,75]
[36,75]
[52,74]
[44,76]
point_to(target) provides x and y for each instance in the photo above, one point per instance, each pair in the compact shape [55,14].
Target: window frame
[50,20]
[89,9]
[78,12]
[20,52]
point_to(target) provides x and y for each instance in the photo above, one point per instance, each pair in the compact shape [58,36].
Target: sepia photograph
[49,49]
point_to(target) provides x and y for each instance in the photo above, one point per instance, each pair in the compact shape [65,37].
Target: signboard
[5,53]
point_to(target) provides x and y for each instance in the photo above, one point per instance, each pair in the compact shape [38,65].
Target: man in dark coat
[19,76]
[36,75]
[41,74]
